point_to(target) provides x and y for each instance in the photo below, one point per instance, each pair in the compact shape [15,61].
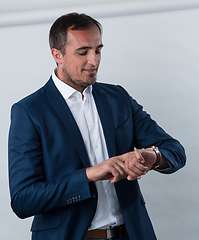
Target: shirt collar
[66,90]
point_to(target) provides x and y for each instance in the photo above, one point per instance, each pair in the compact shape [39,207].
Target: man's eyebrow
[83,48]
[100,46]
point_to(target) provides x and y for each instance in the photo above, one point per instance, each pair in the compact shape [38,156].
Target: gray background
[152,49]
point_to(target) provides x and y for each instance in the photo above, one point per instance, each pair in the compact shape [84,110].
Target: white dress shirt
[83,108]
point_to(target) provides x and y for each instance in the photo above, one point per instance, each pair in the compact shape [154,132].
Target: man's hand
[150,158]
[134,164]
[131,165]
[112,168]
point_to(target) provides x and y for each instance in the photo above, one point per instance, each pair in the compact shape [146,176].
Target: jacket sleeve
[148,133]
[30,193]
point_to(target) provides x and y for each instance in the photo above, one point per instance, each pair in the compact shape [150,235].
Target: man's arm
[147,157]
[145,133]
[114,169]
[32,191]
[131,165]
[148,133]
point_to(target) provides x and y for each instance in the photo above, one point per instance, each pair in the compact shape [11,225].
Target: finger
[136,166]
[135,174]
[137,160]
[118,164]
[136,170]
[132,179]
[118,174]
[117,170]
[120,168]
[139,156]
[132,164]
[121,158]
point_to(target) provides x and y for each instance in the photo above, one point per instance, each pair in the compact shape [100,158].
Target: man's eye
[98,52]
[82,53]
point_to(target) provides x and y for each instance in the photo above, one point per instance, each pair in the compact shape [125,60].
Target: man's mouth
[91,71]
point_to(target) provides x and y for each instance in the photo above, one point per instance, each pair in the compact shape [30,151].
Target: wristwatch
[158,155]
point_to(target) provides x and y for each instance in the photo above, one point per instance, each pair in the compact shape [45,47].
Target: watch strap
[158,156]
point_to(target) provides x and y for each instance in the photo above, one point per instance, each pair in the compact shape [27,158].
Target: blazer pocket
[44,222]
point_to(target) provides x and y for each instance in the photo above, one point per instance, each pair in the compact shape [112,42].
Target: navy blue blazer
[48,158]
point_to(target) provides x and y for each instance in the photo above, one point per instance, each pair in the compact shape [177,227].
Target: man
[72,158]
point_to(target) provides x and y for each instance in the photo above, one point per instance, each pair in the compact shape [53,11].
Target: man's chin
[87,83]
[92,78]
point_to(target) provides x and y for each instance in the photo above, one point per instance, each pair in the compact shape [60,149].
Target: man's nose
[92,59]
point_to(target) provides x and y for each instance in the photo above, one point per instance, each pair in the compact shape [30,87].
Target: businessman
[77,147]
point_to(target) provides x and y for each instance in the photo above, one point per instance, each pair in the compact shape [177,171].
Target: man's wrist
[158,156]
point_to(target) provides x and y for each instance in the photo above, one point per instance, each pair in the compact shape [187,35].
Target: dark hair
[74,21]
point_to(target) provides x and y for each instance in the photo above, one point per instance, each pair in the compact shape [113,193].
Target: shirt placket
[93,130]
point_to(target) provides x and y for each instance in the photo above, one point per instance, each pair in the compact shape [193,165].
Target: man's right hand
[129,165]
[112,169]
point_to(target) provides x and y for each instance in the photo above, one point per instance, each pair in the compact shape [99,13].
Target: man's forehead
[88,35]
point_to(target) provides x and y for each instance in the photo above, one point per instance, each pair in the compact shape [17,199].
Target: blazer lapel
[105,114]
[67,118]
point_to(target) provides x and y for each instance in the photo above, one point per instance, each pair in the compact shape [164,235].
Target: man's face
[80,63]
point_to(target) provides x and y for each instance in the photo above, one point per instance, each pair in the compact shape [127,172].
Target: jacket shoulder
[37,98]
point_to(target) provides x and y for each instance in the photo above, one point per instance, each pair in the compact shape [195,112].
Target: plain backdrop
[155,56]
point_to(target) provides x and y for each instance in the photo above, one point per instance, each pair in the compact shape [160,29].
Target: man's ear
[57,55]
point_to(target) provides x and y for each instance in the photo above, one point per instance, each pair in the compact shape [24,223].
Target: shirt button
[108,191]
[96,146]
